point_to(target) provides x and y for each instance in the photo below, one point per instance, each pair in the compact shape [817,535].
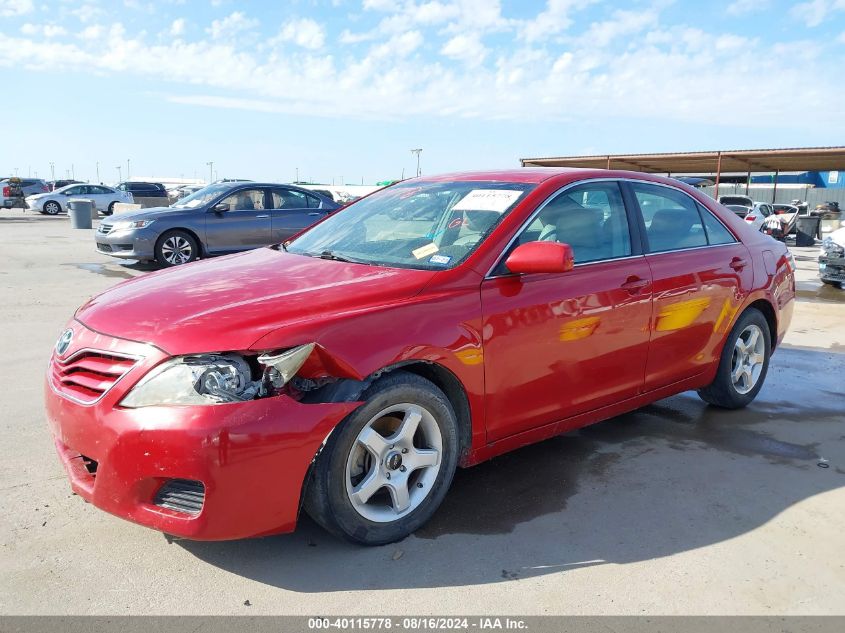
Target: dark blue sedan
[219,219]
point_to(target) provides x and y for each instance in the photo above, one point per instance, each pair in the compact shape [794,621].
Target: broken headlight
[203,379]
[215,378]
[831,248]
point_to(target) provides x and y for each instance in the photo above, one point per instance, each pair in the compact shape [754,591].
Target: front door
[701,275]
[244,225]
[556,345]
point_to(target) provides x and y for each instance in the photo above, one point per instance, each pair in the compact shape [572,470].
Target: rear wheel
[175,248]
[386,468]
[51,207]
[743,365]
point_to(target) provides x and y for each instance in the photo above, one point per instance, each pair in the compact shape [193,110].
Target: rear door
[245,225]
[701,274]
[556,345]
[293,211]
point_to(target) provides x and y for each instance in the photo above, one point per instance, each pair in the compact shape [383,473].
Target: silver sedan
[55,202]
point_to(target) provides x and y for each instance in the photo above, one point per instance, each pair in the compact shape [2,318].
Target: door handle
[738,263]
[313,214]
[635,284]
[261,217]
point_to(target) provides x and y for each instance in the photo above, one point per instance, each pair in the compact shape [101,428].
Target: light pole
[72,171]
[16,172]
[417,152]
[295,180]
[98,171]
[119,173]
[52,171]
[210,171]
[127,170]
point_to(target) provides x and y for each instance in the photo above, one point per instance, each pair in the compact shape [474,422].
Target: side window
[716,232]
[590,218]
[245,200]
[101,189]
[74,191]
[289,199]
[313,202]
[671,218]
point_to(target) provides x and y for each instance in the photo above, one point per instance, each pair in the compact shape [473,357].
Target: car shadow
[672,477]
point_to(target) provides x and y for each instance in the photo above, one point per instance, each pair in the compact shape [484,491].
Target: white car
[55,202]
[755,215]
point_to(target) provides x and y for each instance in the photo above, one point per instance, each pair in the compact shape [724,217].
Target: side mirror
[220,207]
[541,257]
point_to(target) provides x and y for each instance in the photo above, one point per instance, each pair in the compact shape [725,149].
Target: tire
[731,389]
[51,207]
[110,209]
[835,284]
[176,247]
[395,404]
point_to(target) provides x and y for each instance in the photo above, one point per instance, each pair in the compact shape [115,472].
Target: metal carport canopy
[755,160]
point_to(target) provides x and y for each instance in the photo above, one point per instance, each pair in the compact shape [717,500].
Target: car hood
[229,303]
[143,214]
[838,237]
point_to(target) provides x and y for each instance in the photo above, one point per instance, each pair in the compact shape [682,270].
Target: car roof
[537,175]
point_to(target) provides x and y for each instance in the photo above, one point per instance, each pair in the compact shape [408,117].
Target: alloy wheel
[749,356]
[394,462]
[176,250]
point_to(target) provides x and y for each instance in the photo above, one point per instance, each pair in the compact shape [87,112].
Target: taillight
[7,192]
[750,218]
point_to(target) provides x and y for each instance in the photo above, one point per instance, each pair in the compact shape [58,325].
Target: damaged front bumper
[206,472]
[832,268]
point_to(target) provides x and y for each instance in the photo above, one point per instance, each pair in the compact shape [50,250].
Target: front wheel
[51,207]
[385,470]
[176,247]
[743,365]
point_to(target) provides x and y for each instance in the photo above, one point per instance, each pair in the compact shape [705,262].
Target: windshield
[203,196]
[423,225]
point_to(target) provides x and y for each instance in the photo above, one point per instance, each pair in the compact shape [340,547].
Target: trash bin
[80,212]
[830,222]
[807,229]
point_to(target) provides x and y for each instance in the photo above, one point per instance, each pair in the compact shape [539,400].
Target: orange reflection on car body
[578,329]
[680,315]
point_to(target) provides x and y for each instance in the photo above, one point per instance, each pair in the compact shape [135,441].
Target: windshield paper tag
[497,200]
[440,259]
[425,251]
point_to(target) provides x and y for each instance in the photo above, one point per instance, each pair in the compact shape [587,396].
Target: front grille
[104,228]
[87,375]
[106,248]
[181,495]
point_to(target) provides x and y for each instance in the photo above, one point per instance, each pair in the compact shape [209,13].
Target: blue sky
[343,89]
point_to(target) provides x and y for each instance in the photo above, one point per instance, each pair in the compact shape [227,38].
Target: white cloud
[398,46]
[380,5]
[92,32]
[623,65]
[177,27]
[15,7]
[814,12]
[86,12]
[305,33]
[43,30]
[744,7]
[556,18]
[465,48]
[231,25]
[620,24]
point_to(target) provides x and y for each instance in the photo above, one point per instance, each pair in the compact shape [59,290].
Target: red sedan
[431,325]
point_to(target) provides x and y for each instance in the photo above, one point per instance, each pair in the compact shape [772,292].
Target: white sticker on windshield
[497,200]
[425,251]
[193,203]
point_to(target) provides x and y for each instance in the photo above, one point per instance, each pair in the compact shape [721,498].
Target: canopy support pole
[775,189]
[718,175]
